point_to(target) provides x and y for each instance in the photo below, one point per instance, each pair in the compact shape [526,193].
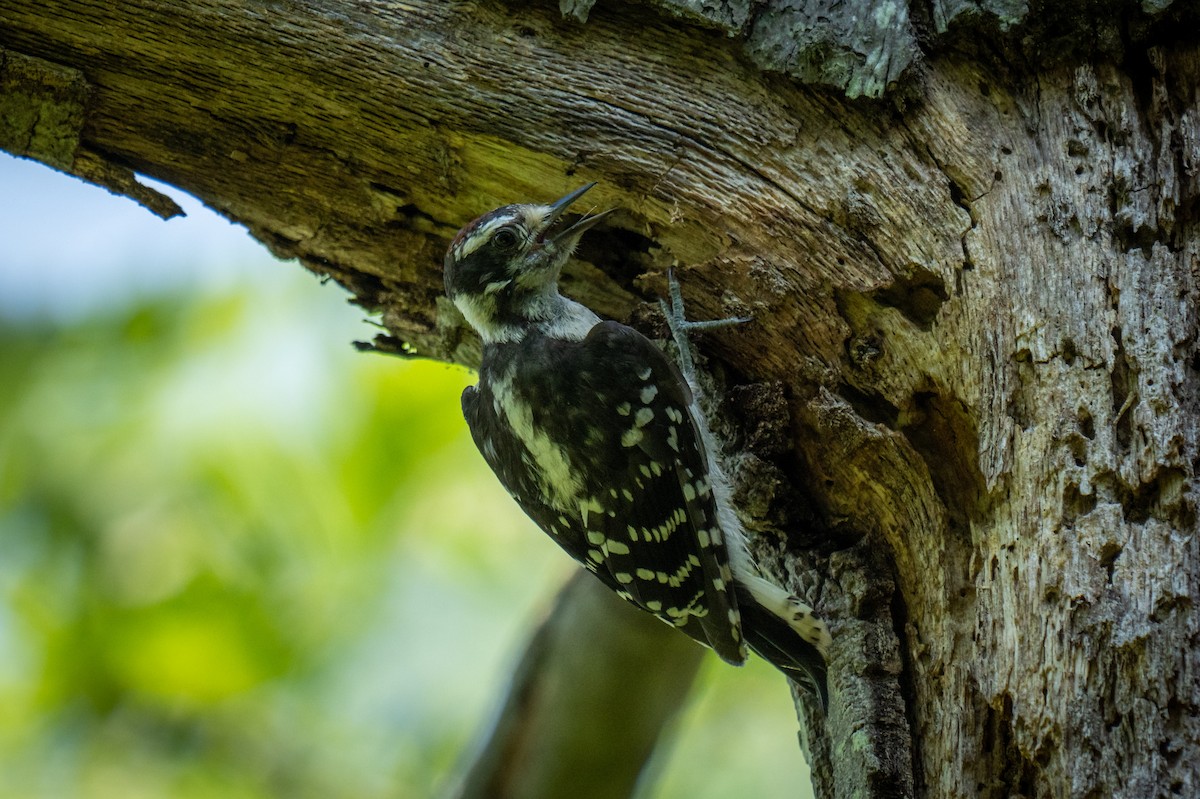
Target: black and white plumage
[594,432]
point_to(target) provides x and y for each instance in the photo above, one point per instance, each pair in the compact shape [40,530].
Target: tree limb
[594,689]
[977,305]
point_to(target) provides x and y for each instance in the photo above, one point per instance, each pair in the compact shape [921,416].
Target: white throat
[550,313]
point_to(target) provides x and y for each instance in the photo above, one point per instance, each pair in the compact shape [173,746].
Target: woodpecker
[594,432]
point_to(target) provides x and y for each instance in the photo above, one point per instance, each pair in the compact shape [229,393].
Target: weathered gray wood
[979,309]
[861,48]
[1006,12]
[42,110]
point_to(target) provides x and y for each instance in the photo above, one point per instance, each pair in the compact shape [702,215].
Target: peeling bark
[975,336]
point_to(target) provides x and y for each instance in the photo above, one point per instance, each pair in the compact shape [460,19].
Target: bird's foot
[681,326]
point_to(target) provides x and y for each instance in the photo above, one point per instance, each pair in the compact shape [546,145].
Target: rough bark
[965,418]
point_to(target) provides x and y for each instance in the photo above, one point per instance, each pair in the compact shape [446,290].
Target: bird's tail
[775,638]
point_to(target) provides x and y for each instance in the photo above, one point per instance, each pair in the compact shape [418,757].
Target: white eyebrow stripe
[477,238]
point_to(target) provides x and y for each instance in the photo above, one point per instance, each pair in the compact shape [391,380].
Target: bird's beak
[576,230]
[558,206]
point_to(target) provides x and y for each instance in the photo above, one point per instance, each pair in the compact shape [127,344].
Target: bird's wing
[640,513]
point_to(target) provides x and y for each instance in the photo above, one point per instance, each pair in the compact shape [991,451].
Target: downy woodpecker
[594,432]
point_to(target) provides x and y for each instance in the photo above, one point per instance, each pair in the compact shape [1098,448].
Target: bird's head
[502,269]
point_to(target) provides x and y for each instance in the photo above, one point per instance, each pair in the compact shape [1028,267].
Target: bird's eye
[505,239]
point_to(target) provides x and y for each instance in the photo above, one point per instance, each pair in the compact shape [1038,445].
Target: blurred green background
[239,559]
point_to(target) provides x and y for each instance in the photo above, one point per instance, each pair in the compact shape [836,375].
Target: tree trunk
[965,416]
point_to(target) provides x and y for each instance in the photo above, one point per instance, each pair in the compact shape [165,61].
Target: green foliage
[216,560]
[238,559]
